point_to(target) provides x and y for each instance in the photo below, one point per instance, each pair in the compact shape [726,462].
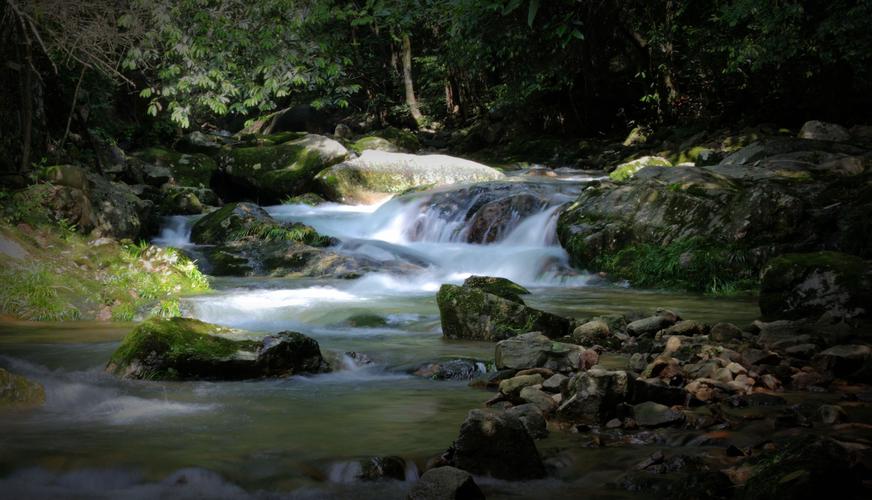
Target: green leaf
[531,12]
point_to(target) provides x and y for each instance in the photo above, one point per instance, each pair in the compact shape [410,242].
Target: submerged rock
[471,313]
[808,285]
[378,174]
[17,392]
[445,483]
[184,349]
[496,444]
[455,369]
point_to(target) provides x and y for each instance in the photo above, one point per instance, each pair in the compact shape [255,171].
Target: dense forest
[435,249]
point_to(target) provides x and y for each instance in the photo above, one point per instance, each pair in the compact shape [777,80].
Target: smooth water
[98,436]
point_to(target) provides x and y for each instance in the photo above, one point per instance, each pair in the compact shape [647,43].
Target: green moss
[176,342]
[193,170]
[403,138]
[501,287]
[374,143]
[310,199]
[689,264]
[17,392]
[627,170]
[297,232]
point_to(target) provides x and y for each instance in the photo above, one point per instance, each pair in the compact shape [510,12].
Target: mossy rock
[274,172]
[501,287]
[194,170]
[310,199]
[404,139]
[808,285]
[17,392]
[627,170]
[374,143]
[223,224]
[185,349]
[473,314]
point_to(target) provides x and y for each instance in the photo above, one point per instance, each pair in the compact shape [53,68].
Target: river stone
[473,314]
[808,285]
[501,287]
[556,383]
[17,392]
[823,131]
[455,369]
[595,332]
[224,224]
[493,220]
[381,468]
[853,362]
[496,444]
[595,395]
[651,414]
[650,325]
[538,397]
[376,175]
[186,349]
[725,332]
[627,170]
[512,386]
[446,483]
[533,419]
[534,350]
[273,172]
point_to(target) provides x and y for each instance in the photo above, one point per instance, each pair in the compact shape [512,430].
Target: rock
[627,170]
[495,219]
[177,200]
[654,389]
[556,383]
[807,285]
[532,350]
[445,483]
[706,389]
[342,131]
[374,143]
[807,467]
[687,328]
[471,313]
[539,398]
[377,174]
[596,332]
[184,349]
[823,131]
[455,369]
[292,119]
[852,362]
[512,386]
[272,173]
[381,468]
[595,396]
[501,287]
[17,392]
[725,332]
[533,419]
[158,165]
[199,142]
[832,414]
[650,325]
[651,414]
[679,477]
[310,199]
[496,444]
[227,223]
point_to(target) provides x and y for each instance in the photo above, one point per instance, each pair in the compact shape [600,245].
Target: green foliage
[688,264]
[300,233]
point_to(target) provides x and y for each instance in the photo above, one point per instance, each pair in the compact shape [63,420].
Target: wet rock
[501,287]
[687,328]
[654,389]
[627,170]
[832,414]
[376,175]
[756,400]
[225,224]
[651,414]
[596,332]
[496,444]
[472,313]
[539,398]
[706,389]
[455,369]
[680,477]
[760,357]
[725,332]
[446,483]
[533,419]
[556,383]
[823,131]
[808,285]
[807,467]
[594,396]
[650,325]
[17,392]
[382,468]
[532,350]
[853,362]
[512,387]
[495,219]
[186,349]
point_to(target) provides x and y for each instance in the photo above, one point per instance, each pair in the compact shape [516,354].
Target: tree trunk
[26,79]
[408,83]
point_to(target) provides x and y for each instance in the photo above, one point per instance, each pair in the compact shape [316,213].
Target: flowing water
[300,437]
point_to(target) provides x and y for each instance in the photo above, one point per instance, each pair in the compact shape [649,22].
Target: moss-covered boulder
[471,313]
[808,285]
[627,170]
[501,287]
[275,172]
[186,349]
[376,175]
[193,170]
[16,392]
[374,143]
[228,222]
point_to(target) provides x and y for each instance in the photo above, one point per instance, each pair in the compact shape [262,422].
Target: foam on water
[176,232]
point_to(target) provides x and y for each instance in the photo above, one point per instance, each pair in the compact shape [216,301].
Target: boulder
[274,172]
[501,287]
[593,333]
[650,325]
[627,170]
[445,483]
[455,369]
[512,386]
[17,392]
[493,220]
[823,131]
[533,419]
[725,332]
[158,165]
[225,224]
[375,175]
[496,444]
[471,313]
[185,349]
[541,399]
[595,396]
[374,143]
[853,362]
[808,285]
[534,350]
[651,414]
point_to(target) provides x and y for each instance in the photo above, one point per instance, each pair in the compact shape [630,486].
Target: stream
[301,437]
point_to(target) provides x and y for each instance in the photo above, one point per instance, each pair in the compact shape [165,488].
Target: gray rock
[533,419]
[496,444]
[512,386]
[649,325]
[534,350]
[725,332]
[651,414]
[539,398]
[445,483]
[595,395]
[823,131]
[556,383]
